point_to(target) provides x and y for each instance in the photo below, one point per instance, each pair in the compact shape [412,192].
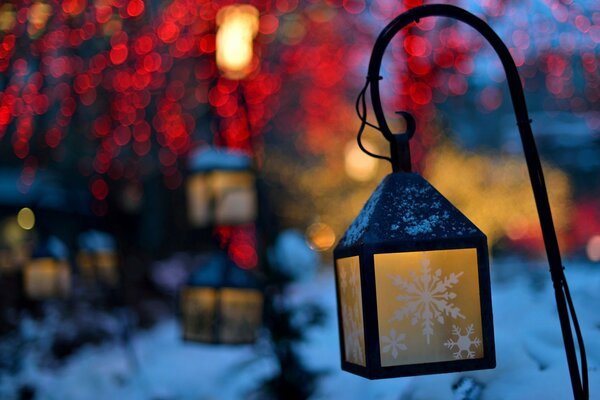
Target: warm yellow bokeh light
[8,17]
[359,166]
[39,13]
[495,192]
[26,218]
[238,26]
[320,236]
[593,248]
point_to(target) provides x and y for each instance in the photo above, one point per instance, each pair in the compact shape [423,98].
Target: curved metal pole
[399,147]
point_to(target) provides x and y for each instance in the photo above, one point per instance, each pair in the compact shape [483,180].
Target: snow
[210,158]
[358,226]
[96,241]
[293,256]
[531,363]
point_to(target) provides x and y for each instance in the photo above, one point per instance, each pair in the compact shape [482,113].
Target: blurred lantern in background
[48,274]
[420,268]
[97,258]
[221,188]
[16,237]
[221,303]
[237,28]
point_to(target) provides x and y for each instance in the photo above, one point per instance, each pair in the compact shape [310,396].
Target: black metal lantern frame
[401,163]
[451,235]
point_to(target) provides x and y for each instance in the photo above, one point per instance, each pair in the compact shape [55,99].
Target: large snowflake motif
[426,298]
[463,343]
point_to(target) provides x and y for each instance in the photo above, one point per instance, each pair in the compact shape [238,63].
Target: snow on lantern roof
[52,247]
[219,271]
[209,158]
[96,241]
[403,208]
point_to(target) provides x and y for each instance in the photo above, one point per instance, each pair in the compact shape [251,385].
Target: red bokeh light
[135,8]
[118,54]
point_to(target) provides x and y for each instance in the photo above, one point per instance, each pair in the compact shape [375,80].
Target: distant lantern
[221,303]
[97,258]
[221,188]
[237,28]
[15,245]
[413,285]
[48,273]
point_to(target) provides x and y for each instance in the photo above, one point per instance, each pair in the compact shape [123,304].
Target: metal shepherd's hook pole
[400,159]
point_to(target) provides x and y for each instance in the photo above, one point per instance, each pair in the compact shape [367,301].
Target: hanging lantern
[221,303]
[48,274]
[221,188]
[97,258]
[413,285]
[15,243]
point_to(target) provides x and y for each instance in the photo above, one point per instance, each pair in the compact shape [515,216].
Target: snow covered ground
[531,360]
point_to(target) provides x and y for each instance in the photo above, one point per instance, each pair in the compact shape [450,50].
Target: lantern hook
[400,152]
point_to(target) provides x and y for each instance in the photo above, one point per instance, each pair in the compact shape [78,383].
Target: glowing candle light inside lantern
[238,25]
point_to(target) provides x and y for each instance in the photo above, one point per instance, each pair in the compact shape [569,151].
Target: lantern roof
[210,158]
[52,247]
[405,207]
[219,271]
[93,240]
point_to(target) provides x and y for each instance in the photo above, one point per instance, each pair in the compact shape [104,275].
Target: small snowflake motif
[463,343]
[393,343]
[426,298]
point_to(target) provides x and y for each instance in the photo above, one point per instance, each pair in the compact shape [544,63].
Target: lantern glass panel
[241,312]
[106,262]
[428,306]
[198,306]
[198,200]
[350,300]
[47,277]
[234,196]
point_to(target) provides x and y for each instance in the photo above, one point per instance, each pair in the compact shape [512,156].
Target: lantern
[413,285]
[412,272]
[221,303]
[48,274]
[97,258]
[221,188]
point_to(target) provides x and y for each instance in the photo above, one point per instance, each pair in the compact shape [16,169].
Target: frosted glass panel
[198,306]
[241,313]
[46,278]
[348,275]
[428,306]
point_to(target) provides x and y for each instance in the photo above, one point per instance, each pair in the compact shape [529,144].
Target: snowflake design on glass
[393,343]
[463,343]
[426,298]
[343,278]
[353,347]
[352,316]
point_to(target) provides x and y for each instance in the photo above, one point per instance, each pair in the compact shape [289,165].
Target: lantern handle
[399,152]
